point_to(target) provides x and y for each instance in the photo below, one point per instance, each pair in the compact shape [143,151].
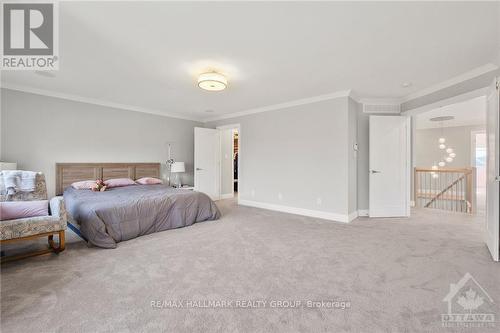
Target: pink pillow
[148,181]
[10,210]
[83,185]
[118,182]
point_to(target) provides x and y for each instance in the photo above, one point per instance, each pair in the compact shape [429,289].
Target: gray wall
[459,138]
[38,131]
[303,152]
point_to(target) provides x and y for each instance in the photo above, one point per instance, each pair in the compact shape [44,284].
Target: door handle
[497,178]
[375,171]
[198,169]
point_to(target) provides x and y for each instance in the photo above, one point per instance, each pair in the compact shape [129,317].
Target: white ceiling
[147,55]
[468,113]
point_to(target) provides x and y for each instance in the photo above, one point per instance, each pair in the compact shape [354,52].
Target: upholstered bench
[38,226]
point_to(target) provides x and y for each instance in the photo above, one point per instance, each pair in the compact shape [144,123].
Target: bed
[119,214]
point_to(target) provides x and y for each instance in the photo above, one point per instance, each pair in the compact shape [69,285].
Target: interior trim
[344,218]
[285,105]
[478,71]
[88,100]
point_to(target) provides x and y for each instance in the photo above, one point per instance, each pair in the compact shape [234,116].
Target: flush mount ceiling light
[212,81]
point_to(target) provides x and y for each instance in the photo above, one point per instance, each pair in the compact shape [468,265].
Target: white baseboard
[298,211]
[227,196]
[352,216]
[363,212]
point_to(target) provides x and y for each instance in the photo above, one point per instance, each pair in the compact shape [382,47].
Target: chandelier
[448,152]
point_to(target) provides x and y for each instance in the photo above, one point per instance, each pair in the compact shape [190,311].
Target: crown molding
[485,69]
[447,101]
[286,105]
[81,99]
[488,68]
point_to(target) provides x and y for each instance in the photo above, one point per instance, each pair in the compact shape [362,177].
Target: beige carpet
[394,272]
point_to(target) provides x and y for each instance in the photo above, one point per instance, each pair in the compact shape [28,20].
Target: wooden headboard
[68,173]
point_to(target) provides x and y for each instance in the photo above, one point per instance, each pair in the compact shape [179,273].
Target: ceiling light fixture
[443,145]
[212,81]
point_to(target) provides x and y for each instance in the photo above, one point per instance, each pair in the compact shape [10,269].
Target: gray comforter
[122,213]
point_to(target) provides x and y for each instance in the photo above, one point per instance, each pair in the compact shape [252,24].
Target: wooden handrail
[437,196]
[443,170]
[445,188]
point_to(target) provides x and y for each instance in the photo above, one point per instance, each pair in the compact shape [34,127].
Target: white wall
[38,131]
[459,138]
[299,157]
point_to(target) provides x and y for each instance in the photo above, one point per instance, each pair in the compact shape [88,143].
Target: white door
[207,162]
[389,166]
[493,171]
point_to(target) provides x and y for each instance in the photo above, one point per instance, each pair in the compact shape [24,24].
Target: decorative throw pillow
[148,181]
[118,182]
[83,185]
[10,210]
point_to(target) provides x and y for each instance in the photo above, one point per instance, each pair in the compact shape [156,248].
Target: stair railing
[446,189]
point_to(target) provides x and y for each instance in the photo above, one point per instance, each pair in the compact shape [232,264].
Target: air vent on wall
[381,108]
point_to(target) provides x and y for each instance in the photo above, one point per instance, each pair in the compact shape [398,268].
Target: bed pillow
[10,210]
[148,181]
[83,185]
[118,182]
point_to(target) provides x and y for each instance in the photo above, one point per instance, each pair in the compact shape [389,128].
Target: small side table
[189,188]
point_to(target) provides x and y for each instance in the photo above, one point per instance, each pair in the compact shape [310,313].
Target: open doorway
[449,157]
[229,160]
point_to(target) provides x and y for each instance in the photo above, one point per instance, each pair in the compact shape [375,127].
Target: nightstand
[189,188]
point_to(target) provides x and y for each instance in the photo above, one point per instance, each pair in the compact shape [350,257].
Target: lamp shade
[177,167]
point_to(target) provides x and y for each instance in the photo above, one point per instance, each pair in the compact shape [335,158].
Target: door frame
[429,107]
[236,126]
